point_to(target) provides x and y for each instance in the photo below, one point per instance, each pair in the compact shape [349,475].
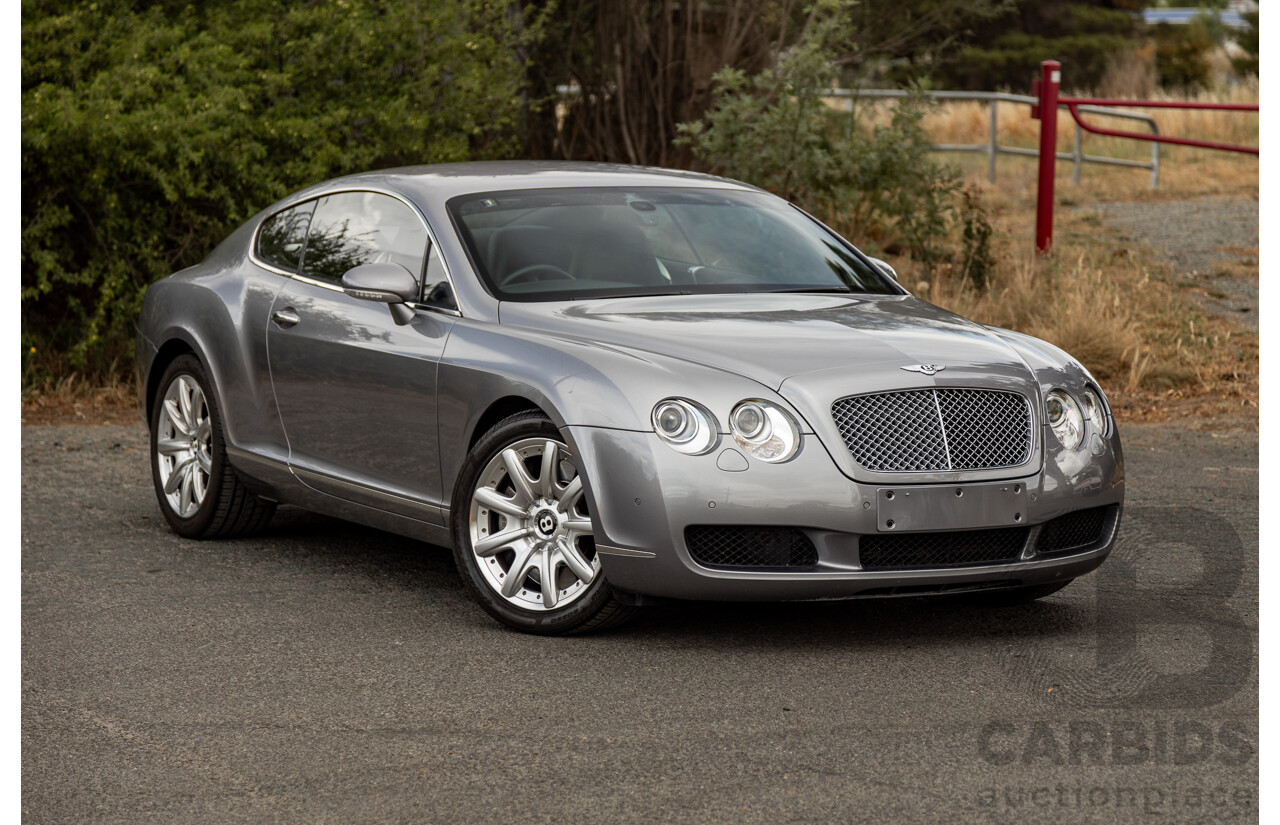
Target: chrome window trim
[414,305]
[431,236]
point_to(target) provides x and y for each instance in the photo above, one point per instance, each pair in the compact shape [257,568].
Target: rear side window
[353,228]
[281,237]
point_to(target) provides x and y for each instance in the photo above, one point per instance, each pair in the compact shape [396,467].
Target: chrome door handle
[285,317]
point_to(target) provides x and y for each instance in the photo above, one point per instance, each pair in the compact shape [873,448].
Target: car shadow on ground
[320,545]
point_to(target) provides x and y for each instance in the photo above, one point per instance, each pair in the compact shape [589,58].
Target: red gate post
[1050,76]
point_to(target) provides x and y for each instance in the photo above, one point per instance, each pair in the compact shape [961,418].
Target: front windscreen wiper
[842,290]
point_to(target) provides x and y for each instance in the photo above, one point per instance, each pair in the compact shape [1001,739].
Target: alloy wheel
[529,526]
[184,446]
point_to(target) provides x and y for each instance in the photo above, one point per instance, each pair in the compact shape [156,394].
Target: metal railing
[992,148]
[1045,109]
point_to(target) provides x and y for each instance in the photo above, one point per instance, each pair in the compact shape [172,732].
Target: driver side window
[353,228]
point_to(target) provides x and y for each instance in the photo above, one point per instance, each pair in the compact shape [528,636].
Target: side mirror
[386,283]
[885,268]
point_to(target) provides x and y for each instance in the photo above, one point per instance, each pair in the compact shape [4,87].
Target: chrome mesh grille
[935,430]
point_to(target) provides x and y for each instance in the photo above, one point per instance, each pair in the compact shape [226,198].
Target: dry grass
[968,122]
[1184,171]
[72,400]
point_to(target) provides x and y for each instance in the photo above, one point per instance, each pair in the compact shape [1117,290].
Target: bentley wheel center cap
[545,522]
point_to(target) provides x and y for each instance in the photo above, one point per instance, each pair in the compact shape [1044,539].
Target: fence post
[992,148]
[1050,77]
[1078,158]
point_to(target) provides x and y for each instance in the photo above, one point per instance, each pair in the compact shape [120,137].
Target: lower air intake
[900,551]
[716,546]
[1075,532]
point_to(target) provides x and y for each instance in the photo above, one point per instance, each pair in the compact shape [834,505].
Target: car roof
[440,182]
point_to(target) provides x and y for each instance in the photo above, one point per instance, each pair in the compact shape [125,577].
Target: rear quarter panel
[218,309]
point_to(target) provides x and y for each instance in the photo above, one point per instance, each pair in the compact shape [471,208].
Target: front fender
[1054,368]
[576,383]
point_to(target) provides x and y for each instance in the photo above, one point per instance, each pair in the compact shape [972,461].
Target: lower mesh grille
[1074,531]
[717,546]
[950,549]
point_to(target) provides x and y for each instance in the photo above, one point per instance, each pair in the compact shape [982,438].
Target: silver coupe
[604,385]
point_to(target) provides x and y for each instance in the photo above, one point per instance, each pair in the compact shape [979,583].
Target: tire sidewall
[198,524]
[560,620]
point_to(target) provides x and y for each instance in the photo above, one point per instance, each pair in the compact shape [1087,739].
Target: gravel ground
[324,672]
[1199,238]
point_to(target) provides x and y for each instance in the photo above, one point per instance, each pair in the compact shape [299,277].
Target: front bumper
[646,495]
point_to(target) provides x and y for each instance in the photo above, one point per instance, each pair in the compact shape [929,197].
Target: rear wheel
[523,539]
[198,491]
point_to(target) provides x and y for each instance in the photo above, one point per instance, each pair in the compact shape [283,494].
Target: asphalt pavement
[325,672]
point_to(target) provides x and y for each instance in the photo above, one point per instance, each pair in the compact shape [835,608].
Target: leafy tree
[641,67]
[1182,54]
[149,130]
[773,129]
[1248,41]
[1084,34]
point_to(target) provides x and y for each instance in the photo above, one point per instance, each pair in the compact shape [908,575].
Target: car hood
[773,337]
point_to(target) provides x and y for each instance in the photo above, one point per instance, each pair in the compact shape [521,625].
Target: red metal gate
[1045,89]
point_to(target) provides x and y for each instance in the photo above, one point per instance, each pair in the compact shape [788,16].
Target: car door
[356,392]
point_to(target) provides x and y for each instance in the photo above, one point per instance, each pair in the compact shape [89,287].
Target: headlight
[764,430]
[684,425]
[1094,410]
[1065,418]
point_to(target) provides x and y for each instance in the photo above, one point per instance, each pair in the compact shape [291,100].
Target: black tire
[594,609]
[1015,595]
[228,508]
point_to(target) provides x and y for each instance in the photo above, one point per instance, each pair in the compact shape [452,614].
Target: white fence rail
[992,148]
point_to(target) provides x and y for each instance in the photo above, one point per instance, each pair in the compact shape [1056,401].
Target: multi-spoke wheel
[184,443]
[522,532]
[199,493]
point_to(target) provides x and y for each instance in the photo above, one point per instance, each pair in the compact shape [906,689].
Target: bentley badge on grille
[927,369]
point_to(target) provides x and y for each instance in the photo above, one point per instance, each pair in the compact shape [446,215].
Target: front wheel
[522,533]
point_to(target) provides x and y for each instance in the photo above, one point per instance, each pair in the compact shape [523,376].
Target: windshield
[563,244]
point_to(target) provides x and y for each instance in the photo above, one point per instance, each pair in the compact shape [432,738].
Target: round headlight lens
[673,422]
[684,425]
[748,420]
[1065,418]
[764,430]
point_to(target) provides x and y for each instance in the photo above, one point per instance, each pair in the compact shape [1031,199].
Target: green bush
[149,131]
[1182,55]
[1247,63]
[879,184]
[1085,35]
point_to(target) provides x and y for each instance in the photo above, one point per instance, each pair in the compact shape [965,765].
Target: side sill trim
[319,481]
[245,459]
[622,551]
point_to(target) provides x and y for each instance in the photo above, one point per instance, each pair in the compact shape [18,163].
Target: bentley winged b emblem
[926,369]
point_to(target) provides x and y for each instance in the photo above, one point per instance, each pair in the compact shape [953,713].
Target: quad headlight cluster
[1068,417]
[760,428]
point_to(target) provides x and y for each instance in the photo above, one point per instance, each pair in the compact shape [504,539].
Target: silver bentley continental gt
[604,385]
